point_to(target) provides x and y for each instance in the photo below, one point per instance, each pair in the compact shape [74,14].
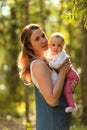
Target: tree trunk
[84,75]
[26,5]
[42,14]
[26,10]
[12,72]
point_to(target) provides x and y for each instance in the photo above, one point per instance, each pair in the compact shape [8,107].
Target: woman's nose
[43,40]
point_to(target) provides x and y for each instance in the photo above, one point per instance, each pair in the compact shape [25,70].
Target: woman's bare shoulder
[39,63]
[40,66]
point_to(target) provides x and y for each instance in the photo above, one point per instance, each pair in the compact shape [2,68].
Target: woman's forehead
[37,33]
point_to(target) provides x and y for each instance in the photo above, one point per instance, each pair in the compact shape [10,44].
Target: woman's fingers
[73,84]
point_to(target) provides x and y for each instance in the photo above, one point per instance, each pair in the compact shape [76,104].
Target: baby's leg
[68,93]
[69,96]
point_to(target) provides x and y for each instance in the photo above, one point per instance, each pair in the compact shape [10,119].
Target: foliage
[78,11]
[28,126]
[78,127]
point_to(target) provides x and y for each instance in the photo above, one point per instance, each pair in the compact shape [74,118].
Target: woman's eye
[37,39]
[43,35]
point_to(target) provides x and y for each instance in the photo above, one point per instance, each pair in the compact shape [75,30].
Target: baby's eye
[53,44]
[59,45]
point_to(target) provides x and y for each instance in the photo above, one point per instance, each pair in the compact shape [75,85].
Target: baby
[55,58]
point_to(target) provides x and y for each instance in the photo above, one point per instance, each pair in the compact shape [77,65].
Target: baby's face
[56,45]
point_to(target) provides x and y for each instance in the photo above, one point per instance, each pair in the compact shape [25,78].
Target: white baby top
[58,60]
[53,75]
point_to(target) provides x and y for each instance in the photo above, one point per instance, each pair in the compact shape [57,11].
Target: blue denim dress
[51,118]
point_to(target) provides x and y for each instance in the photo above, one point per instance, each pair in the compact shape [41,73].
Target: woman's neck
[40,55]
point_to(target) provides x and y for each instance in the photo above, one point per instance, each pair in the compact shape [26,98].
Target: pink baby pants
[72,74]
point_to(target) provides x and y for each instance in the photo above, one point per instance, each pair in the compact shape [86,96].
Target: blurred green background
[17,101]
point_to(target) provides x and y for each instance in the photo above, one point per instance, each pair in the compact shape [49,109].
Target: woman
[50,101]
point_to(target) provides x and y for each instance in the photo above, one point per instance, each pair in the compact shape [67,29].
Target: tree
[84,74]
[26,10]
[42,4]
[11,54]
[79,12]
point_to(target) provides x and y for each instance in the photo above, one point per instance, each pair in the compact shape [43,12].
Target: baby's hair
[58,35]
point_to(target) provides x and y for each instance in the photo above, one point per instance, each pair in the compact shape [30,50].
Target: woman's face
[39,42]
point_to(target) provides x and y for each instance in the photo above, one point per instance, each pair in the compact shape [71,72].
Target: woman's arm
[42,74]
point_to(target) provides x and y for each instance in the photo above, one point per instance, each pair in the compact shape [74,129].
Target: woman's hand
[65,67]
[73,85]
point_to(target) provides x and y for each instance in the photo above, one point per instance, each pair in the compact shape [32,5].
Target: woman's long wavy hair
[26,54]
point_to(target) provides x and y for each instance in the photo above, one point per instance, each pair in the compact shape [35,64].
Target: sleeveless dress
[48,117]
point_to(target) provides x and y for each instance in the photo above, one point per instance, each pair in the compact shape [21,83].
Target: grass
[78,127]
